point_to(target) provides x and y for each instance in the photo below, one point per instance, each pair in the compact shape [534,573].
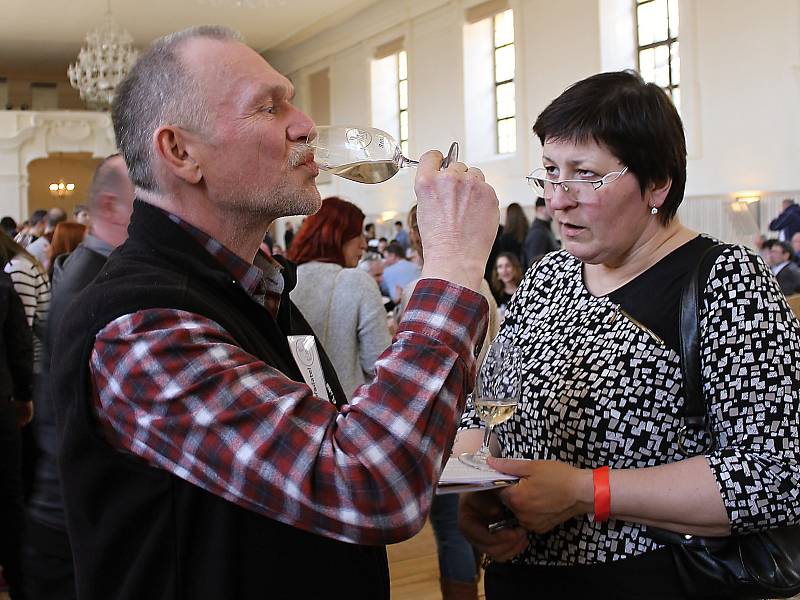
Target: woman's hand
[475,512]
[549,492]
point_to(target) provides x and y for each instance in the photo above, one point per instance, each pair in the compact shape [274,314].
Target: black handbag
[765,564]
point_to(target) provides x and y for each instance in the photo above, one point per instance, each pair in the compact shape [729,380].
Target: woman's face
[603,225]
[352,251]
[505,271]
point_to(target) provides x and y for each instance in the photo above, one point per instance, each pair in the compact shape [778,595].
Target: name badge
[304,351]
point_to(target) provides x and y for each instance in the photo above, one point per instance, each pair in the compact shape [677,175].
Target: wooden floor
[414,568]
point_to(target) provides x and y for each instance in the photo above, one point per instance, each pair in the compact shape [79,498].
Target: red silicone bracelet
[602,494]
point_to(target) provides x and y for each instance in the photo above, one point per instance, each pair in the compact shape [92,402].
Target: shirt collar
[95,244]
[257,280]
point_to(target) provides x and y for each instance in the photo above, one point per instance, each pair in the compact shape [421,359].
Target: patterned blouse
[603,387]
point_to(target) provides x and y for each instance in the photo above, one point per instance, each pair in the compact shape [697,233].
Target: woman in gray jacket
[341,303]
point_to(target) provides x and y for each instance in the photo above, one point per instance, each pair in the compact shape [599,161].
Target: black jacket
[789,279]
[539,241]
[71,274]
[140,532]
[16,345]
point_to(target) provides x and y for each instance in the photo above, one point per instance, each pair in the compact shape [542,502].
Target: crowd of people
[212,415]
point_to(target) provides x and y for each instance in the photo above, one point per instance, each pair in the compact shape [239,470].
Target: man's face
[376,270]
[253,157]
[777,255]
[796,243]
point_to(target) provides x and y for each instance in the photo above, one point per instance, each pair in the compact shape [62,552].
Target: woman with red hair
[66,237]
[342,303]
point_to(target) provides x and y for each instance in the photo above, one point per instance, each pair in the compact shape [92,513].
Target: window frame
[668,42]
[497,83]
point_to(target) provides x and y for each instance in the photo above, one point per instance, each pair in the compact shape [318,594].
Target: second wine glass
[496,395]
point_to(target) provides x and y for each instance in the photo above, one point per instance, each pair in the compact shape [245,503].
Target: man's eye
[270,110]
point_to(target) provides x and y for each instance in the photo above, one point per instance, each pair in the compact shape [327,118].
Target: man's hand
[457,214]
[24,410]
[549,492]
[475,512]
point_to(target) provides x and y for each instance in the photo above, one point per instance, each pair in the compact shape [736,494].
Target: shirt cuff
[451,314]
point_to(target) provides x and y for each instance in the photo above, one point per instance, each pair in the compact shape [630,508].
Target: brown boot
[458,590]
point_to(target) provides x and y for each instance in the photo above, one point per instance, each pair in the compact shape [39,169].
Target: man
[369,232]
[81,215]
[540,239]
[48,557]
[39,247]
[785,271]
[401,235]
[195,462]
[288,235]
[398,272]
[34,230]
[788,222]
[795,242]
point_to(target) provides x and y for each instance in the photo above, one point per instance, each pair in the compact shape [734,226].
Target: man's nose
[302,127]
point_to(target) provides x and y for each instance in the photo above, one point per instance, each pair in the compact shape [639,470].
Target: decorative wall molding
[29,135]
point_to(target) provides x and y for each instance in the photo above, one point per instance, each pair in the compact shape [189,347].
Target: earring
[653,210]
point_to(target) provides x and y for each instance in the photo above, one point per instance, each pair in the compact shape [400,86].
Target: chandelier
[102,63]
[60,189]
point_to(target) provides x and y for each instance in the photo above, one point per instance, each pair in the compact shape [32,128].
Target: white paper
[457,478]
[304,351]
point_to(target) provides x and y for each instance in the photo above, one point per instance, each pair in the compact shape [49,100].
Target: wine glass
[495,397]
[363,154]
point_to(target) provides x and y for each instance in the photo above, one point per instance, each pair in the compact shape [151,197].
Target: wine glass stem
[407,162]
[487,436]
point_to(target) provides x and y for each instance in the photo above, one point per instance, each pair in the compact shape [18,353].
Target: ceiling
[41,37]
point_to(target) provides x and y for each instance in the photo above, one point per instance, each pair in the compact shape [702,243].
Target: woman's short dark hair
[323,234]
[635,120]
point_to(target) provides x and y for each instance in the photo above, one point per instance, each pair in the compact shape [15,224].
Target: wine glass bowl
[362,154]
[495,396]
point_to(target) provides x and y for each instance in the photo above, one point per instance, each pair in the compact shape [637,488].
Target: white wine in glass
[363,154]
[495,397]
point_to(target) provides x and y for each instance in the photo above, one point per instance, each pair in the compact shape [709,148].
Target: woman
[597,327]
[341,303]
[33,286]
[514,231]
[506,278]
[66,237]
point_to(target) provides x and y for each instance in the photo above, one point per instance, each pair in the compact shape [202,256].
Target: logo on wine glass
[358,137]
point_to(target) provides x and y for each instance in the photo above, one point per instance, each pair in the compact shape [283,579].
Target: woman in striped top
[32,286]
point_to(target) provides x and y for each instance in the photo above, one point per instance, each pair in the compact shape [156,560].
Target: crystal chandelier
[60,188]
[102,63]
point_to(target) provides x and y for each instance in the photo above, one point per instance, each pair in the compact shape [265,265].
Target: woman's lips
[570,230]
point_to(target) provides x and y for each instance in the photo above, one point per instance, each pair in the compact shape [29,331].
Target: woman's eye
[551,171]
[585,174]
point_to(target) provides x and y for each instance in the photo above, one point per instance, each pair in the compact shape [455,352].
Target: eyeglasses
[539,179]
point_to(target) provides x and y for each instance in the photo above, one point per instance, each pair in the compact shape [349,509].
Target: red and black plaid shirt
[175,389]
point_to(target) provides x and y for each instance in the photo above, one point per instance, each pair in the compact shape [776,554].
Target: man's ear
[173,148]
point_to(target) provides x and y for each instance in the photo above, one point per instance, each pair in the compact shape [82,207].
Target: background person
[788,222]
[81,214]
[597,325]
[341,303]
[16,410]
[398,272]
[47,553]
[539,239]
[66,237]
[786,272]
[506,278]
[514,231]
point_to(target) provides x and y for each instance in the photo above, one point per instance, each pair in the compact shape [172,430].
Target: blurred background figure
[66,237]
[401,235]
[506,278]
[34,230]
[9,225]
[80,214]
[788,222]
[783,268]
[341,303]
[398,271]
[288,235]
[795,242]
[514,231]
[47,553]
[539,239]
[39,248]
[16,409]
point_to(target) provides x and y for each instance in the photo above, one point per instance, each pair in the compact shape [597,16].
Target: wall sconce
[747,202]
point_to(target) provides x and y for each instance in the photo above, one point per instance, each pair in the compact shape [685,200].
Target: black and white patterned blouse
[602,386]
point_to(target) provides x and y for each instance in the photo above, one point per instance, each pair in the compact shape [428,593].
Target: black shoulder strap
[694,409]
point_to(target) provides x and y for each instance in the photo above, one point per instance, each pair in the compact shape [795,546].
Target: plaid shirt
[175,389]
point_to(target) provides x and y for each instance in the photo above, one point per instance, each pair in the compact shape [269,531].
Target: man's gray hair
[158,91]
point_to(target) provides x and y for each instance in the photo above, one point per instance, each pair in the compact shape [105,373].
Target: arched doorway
[75,168]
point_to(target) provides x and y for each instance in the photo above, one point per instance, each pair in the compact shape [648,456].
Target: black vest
[140,532]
